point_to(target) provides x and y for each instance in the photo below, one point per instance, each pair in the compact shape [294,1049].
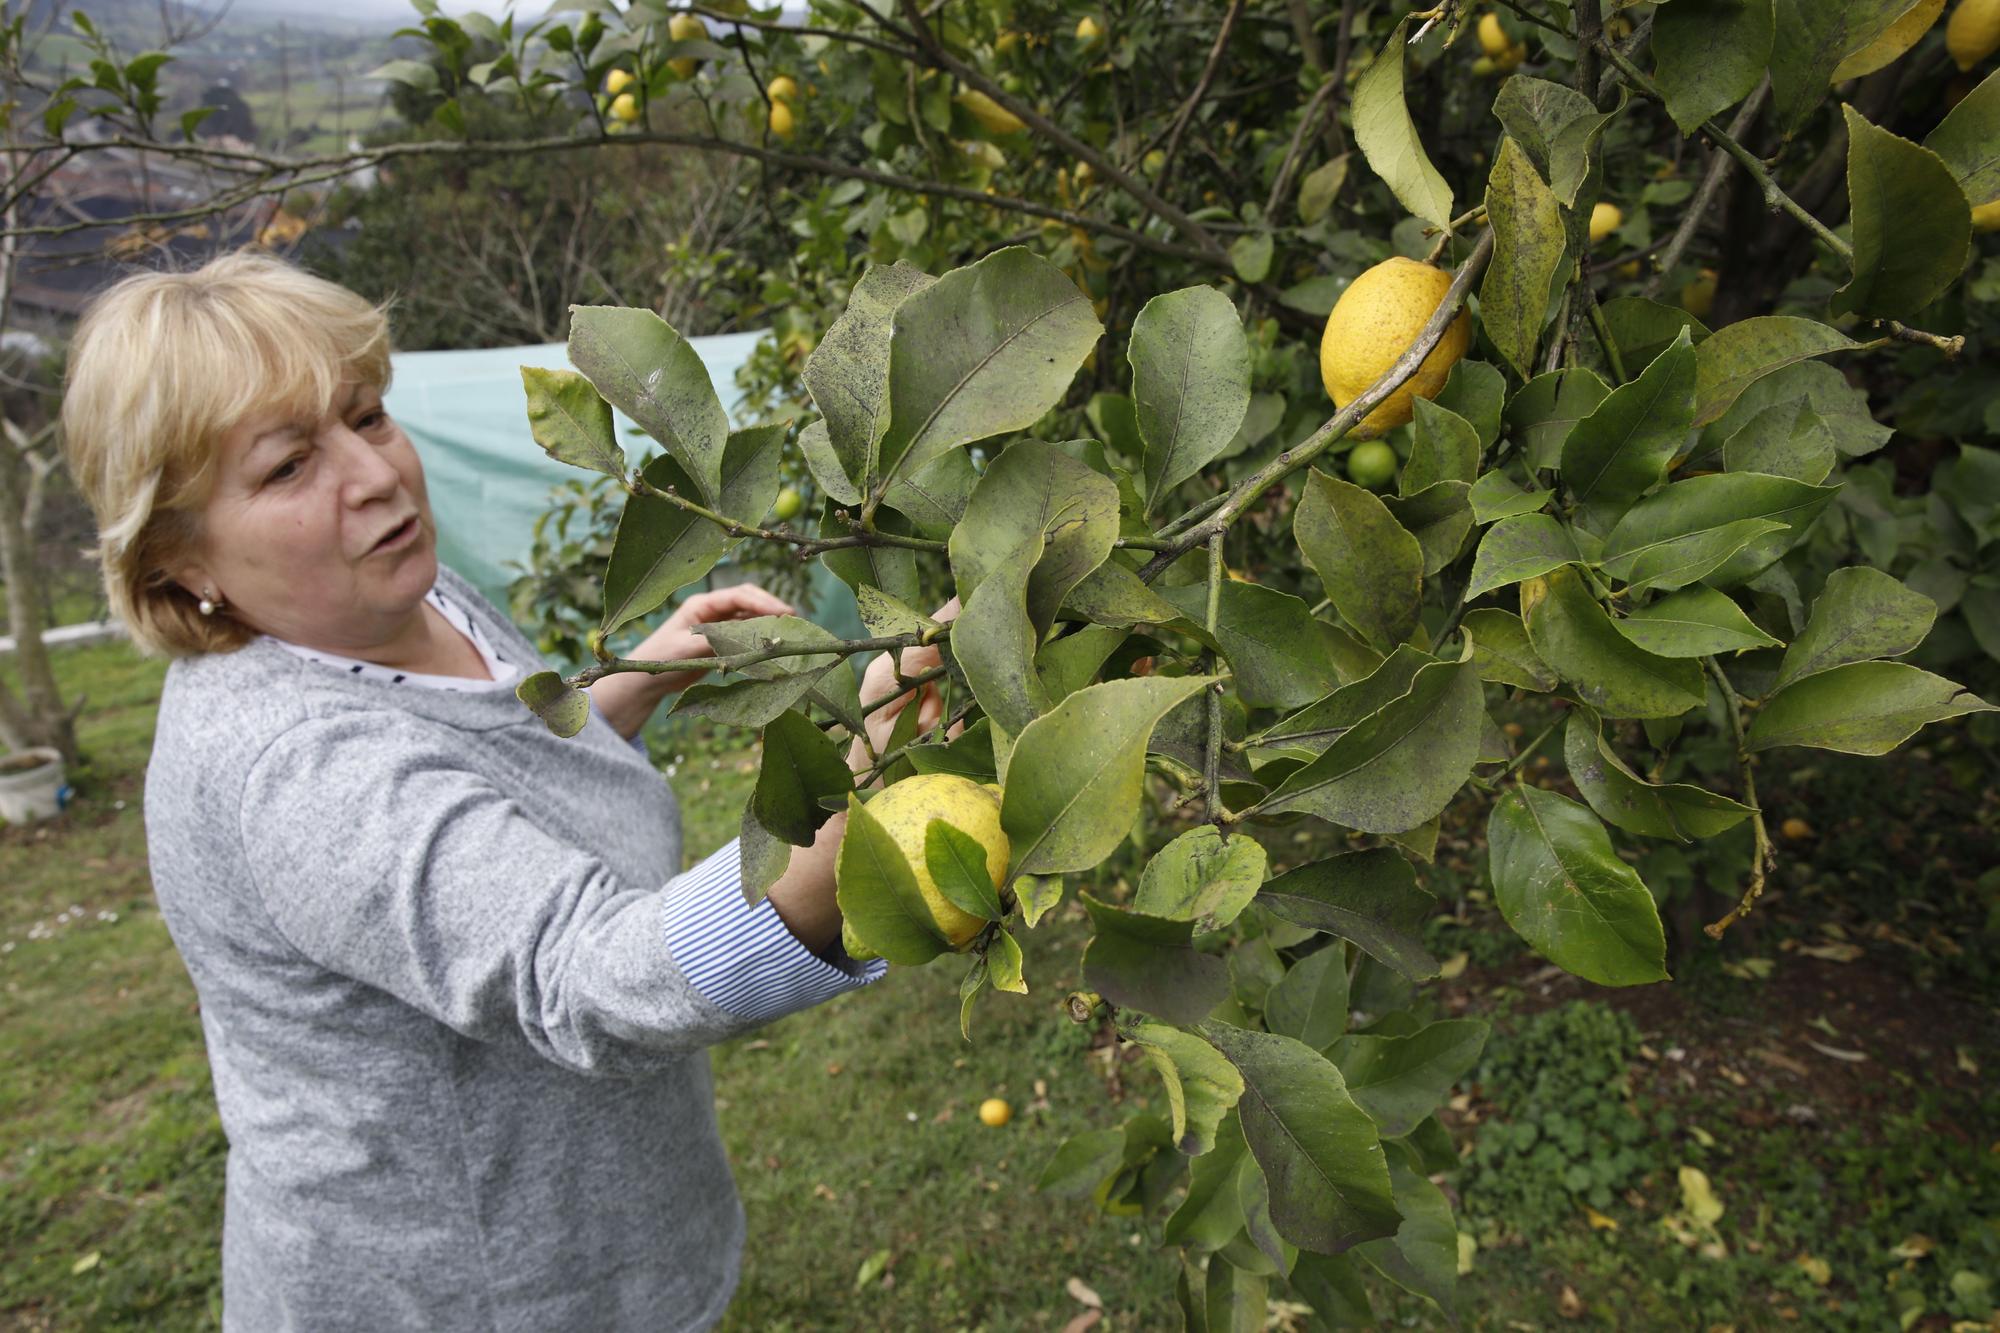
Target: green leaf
[1784,440]
[1621,450]
[1812,38]
[1250,256]
[1520,548]
[1439,516]
[1476,392]
[1003,962]
[1528,247]
[762,856]
[1331,1284]
[1036,497]
[1320,1152]
[1190,383]
[1149,963]
[802,767]
[1912,227]
[1316,726]
[983,351]
[1319,187]
[878,894]
[935,496]
[1496,496]
[957,865]
[1202,877]
[1694,622]
[1502,652]
[1564,890]
[825,465]
[571,421]
[563,708]
[1201,1085]
[1842,410]
[893,569]
[649,372]
[1274,1254]
[1370,897]
[1310,1000]
[660,548]
[1233,1299]
[751,471]
[1861,614]
[1402,764]
[1710,55]
[1210,1216]
[1400,1080]
[1667,539]
[1371,567]
[1548,407]
[1083,1162]
[1422,1257]
[1388,139]
[1572,633]
[1643,329]
[1557,126]
[1968,142]
[848,372]
[1859,708]
[1623,798]
[1731,359]
[1074,781]
[749,703]
[1445,448]
[1282,657]
[994,643]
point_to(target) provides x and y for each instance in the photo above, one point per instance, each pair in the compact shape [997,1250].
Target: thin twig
[1764,858]
[1711,186]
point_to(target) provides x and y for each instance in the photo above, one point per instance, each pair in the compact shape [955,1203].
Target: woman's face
[319,532]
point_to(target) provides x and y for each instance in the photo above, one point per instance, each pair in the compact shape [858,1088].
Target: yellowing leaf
[1698,1197]
[1916,1246]
[1832,953]
[1818,1270]
[85,1264]
[1455,966]
[1702,1136]
[1598,1221]
[1467,1247]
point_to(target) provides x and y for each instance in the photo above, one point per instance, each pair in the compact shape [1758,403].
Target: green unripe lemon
[1372,464]
[788,505]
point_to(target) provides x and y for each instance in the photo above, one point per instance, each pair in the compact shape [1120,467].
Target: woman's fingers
[740,601]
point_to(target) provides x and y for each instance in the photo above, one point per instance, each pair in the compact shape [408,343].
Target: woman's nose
[366,470]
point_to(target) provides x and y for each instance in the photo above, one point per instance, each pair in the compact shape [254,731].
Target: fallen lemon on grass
[906,811]
[1375,321]
[995,1112]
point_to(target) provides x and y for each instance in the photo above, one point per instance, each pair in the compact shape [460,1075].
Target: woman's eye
[284,470]
[374,419]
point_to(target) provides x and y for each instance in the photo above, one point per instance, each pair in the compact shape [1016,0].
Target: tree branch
[1764,858]
[1343,421]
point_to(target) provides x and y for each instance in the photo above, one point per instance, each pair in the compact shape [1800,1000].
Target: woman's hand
[628,698]
[677,639]
[879,682]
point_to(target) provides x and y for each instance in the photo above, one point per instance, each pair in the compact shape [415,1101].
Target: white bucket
[28,795]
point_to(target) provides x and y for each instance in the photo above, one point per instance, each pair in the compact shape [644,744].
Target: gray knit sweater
[461,1073]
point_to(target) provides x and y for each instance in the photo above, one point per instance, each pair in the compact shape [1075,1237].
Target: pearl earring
[208,607]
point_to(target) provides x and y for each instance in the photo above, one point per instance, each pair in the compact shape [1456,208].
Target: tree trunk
[37,716]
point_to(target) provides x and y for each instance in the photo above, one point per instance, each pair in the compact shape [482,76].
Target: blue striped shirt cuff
[740,957]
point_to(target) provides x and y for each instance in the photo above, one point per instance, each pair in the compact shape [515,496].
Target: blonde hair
[162,367]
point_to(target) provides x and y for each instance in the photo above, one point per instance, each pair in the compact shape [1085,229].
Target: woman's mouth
[399,536]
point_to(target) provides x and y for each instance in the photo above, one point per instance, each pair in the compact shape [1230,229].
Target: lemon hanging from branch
[1375,321]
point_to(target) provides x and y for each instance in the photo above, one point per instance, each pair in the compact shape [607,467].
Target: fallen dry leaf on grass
[1081,1292]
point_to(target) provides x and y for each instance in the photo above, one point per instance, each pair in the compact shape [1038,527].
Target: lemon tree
[1075,344]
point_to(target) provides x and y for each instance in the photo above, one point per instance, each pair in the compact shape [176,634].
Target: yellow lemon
[1088,30]
[997,119]
[1698,297]
[905,811]
[625,107]
[1986,217]
[1511,58]
[617,81]
[1605,219]
[782,124]
[1901,35]
[1373,323]
[1484,67]
[995,1112]
[685,28]
[1973,32]
[1493,38]
[782,89]
[1005,43]
[1796,829]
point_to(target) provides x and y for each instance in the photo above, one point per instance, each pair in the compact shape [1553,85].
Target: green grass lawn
[1857,1193]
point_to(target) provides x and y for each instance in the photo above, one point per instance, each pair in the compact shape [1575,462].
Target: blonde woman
[455,991]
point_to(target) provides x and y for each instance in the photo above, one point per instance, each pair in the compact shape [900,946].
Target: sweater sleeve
[380,857]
